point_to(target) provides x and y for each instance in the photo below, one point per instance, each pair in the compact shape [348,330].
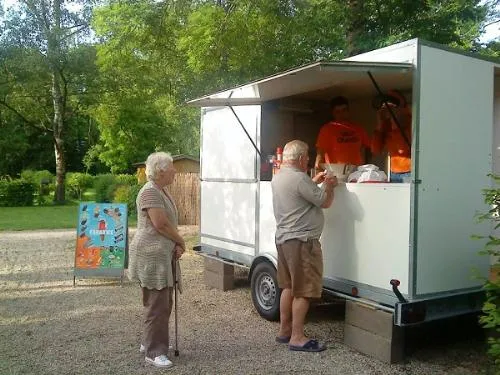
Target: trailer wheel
[265,291]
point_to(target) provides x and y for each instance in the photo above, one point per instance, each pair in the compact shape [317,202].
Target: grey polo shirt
[297,204]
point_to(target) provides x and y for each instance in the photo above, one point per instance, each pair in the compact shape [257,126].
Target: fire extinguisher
[279,156]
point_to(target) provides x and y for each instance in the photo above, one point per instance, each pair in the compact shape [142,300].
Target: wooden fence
[186,193]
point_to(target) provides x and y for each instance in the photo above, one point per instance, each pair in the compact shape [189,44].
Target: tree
[41,39]
[153,56]
[141,108]
[156,55]
[12,148]
[243,39]
[376,23]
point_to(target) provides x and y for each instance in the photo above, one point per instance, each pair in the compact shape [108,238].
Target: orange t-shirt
[342,141]
[395,144]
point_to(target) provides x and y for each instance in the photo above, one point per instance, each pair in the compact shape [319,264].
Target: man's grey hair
[293,150]
[157,161]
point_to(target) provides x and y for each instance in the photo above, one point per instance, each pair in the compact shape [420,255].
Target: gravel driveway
[49,327]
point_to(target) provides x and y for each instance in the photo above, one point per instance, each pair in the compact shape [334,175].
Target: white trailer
[418,233]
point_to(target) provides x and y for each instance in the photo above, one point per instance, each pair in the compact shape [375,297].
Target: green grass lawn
[41,217]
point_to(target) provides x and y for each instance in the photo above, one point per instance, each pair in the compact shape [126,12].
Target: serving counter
[365,238]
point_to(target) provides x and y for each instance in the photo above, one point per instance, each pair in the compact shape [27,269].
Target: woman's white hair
[157,161]
[293,150]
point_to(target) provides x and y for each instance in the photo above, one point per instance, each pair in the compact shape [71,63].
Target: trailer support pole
[390,110]
[248,135]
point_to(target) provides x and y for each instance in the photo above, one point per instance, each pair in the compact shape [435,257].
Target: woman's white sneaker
[160,361]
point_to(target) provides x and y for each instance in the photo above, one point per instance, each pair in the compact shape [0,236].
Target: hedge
[16,193]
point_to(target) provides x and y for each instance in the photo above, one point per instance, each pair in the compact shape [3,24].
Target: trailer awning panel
[348,77]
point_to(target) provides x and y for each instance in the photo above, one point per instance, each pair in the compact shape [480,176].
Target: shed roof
[187,157]
[174,157]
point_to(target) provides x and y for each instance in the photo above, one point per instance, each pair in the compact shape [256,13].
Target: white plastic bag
[367,173]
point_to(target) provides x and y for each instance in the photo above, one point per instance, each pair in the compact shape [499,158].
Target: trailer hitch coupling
[395,283]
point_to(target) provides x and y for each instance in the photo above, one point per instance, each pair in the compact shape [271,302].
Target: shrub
[491,308]
[38,177]
[16,193]
[44,176]
[78,183]
[43,180]
[127,194]
[104,186]
[126,179]
[28,175]
[126,191]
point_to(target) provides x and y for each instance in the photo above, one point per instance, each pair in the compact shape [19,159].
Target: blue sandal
[310,346]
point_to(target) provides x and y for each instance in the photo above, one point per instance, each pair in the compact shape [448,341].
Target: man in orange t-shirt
[388,136]
[341,139]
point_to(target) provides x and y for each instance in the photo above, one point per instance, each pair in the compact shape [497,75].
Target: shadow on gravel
[241,278]
[47,274]
[441,334]
[81,283]
[459,339]
[326,311]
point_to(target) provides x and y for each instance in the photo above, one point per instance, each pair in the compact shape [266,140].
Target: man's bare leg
[300,306]
[285,313]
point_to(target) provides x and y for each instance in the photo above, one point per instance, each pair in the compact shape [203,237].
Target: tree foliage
[491,307]
[377,23]
[142,107]
[45,69]
[122,90]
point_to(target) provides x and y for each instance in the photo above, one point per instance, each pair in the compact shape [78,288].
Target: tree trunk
[355,26]
[58,100]
[60,193]
[58,126]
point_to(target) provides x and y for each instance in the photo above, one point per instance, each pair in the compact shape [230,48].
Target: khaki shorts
[300,268]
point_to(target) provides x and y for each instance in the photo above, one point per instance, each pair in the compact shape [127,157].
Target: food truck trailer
[405,248]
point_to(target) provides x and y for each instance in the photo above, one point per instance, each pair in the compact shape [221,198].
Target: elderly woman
[154,254]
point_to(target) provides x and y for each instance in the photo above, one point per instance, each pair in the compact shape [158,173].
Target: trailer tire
[265,292]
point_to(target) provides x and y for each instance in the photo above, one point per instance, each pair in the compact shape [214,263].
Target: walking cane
[176,352]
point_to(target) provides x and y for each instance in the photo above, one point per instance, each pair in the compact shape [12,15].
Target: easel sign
[101,242]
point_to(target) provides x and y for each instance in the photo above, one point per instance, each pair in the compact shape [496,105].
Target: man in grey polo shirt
[297,204]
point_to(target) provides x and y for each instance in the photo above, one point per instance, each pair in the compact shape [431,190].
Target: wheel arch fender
[262,258]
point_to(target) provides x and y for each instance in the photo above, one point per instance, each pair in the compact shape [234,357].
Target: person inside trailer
[341,141]
[394,138]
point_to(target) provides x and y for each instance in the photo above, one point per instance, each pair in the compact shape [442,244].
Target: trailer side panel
[453,162]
